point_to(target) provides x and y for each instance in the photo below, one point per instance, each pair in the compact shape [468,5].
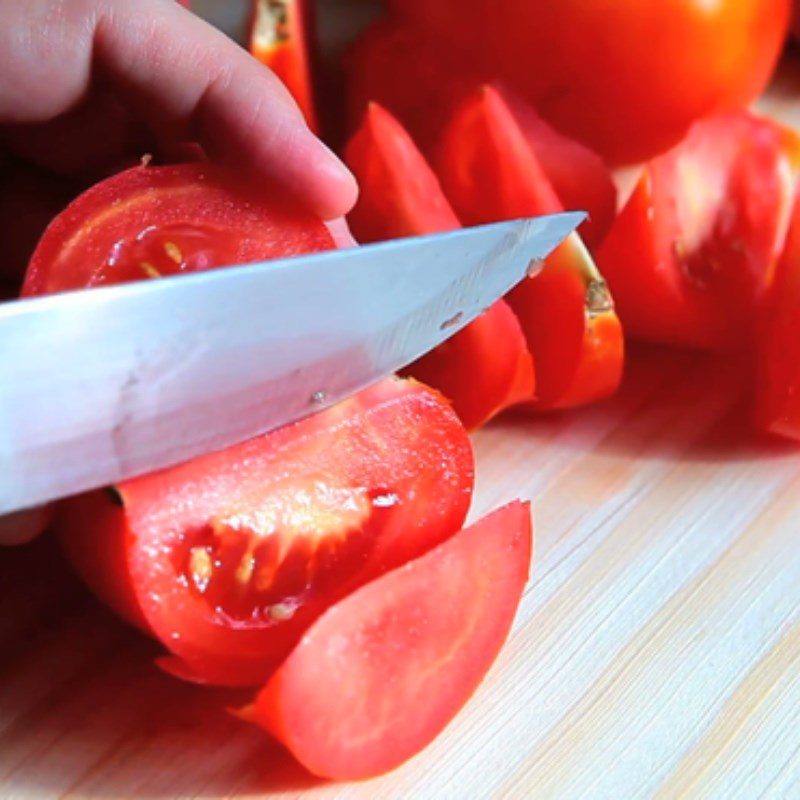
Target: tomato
[152,221]
[279,38]
[626,77]
[778,381]
[228,558]
[489,173]
[691,257]
[381,673]
[484,368]
[431,83]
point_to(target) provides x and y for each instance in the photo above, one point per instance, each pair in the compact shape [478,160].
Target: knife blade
[101,385]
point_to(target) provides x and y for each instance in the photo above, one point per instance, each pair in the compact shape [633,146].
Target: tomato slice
[778,381]
[433,81]
[279,38]
[382,672]
[228,558]
[489,173]
[692,255]
[149,222]
[484,368]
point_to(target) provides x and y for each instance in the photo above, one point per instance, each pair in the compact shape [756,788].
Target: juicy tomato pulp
[778,383]
[692,256]
[484,368]
[377,677]
[608,73]
[149,222]
[489,172]
[228,558]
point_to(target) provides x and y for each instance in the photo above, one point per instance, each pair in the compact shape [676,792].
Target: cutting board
[656,652]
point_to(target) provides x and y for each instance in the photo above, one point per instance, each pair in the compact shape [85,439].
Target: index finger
[189,80]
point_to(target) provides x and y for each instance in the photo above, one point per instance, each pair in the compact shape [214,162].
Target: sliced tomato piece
[778,381]
[280,38]
[489,173]
[149,222]
[486,367]
[227,559]
[382,672]
[692,255]
[433,81]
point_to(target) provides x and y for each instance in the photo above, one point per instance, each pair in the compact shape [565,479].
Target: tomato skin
[778,379]
[432,82]
[628,77]
[395,454]
[279,39]
[489,173]
[692,256]
[381,673]
[484,368]
[245,223]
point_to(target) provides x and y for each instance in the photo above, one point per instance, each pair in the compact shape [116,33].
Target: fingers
[191,81]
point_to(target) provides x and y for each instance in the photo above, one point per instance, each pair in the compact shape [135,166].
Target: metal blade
[101,385]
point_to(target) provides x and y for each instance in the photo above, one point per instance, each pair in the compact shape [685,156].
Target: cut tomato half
[484,368]
[280,38]
[381,673]
[227,559]
[489,173]
[148,222]
[692,256]
[778,380]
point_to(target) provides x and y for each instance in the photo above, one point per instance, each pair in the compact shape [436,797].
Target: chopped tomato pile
[325,564]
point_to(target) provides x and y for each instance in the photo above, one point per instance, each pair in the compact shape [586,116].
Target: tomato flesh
[692,256]
[381,673]
[152,221]
[228,558]
[484,368]
[489,173]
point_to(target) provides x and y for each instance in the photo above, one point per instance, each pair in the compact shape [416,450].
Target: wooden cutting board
[656,652]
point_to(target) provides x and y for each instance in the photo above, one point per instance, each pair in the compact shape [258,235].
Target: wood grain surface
[656,652]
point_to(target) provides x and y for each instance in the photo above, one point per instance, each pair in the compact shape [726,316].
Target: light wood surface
[656,652]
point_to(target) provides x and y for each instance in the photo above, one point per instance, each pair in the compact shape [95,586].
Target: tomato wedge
[484,368]
[778,379]
[280,39]
[433,81]
[148,222]
[381,673]
[489,173]
[228,558]
[692,256]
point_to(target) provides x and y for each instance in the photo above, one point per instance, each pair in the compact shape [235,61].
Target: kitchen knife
[108,383]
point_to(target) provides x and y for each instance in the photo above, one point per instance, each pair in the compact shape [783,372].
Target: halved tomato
[692,255]
[148,222]
[380,674]
[778,381]
[227,559]
[484,368]
[279,38]
[489,173]
[433,81]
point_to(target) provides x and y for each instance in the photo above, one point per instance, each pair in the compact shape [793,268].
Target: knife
[101,385]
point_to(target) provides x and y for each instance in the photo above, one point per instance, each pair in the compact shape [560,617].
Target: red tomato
[382,672]
[778,381]
[432,82]
[626,77]
[489,173]
[148,222]
[279,38]
[227,559]
[484,368]
[692,255]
